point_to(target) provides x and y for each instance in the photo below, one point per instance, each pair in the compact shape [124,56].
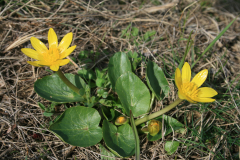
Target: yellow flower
[154,127]
[52,57]
[121,120]
[190,90]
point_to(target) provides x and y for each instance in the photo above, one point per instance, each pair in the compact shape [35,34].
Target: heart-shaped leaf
[118,64]
[156,80]
[133,94]
[170,124]
[119,140]
[78,126]
[54,89]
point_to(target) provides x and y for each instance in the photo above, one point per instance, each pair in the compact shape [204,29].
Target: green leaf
[47,114]
[99,73]
[148,34]
[133,94]
[78,126]
[134,59]
[105,94]
[108,113]
[87,74]
[110,101]
[135,31]
[170,124]
[106,153]
[106,102]
[118,65]
[119,140]
[41,106]
[171,147]
[100,82]
[83,54]
[157,81]
[54,89]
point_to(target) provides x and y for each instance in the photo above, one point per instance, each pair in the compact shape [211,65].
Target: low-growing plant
[113,104]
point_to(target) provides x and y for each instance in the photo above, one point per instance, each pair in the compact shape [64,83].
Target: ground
[104,28]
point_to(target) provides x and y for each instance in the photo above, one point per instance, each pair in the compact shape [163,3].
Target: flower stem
[67,82]
[153,96]
[136,137]
[159,113]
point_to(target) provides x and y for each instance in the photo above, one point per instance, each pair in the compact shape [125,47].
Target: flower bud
[154,127]
[121,120]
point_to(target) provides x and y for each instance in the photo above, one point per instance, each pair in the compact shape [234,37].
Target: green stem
[159,113]
[67,82]
[153,96]
[137,141]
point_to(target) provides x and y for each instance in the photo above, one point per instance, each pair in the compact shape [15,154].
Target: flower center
[190,89]
[52,55]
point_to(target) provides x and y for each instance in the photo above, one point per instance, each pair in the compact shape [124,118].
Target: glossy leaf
[118,65]
[157,81]
[54,89]
[171,147]
[170,124]
[78,126]
[133,94]
[119,140]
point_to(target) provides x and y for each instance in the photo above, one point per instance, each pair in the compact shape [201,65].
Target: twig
[6,35]
[57,10]
[20,8]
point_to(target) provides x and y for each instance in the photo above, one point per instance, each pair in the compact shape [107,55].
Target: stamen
[190,89]
[51,56]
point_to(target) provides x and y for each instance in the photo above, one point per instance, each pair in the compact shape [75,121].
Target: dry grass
[97,26]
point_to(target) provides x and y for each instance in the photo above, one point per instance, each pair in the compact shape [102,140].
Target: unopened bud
[121,120]
[154,127]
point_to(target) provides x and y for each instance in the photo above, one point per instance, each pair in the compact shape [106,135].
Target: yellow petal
[38,45]
[181,95]
[32,53]
[204,100]
[54,67]
[178,78]
[65,42]
[206,92]
[35,63]
[67,52]
[44,63]
[52,39]
[63,62]
[200,77]
[186,73]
